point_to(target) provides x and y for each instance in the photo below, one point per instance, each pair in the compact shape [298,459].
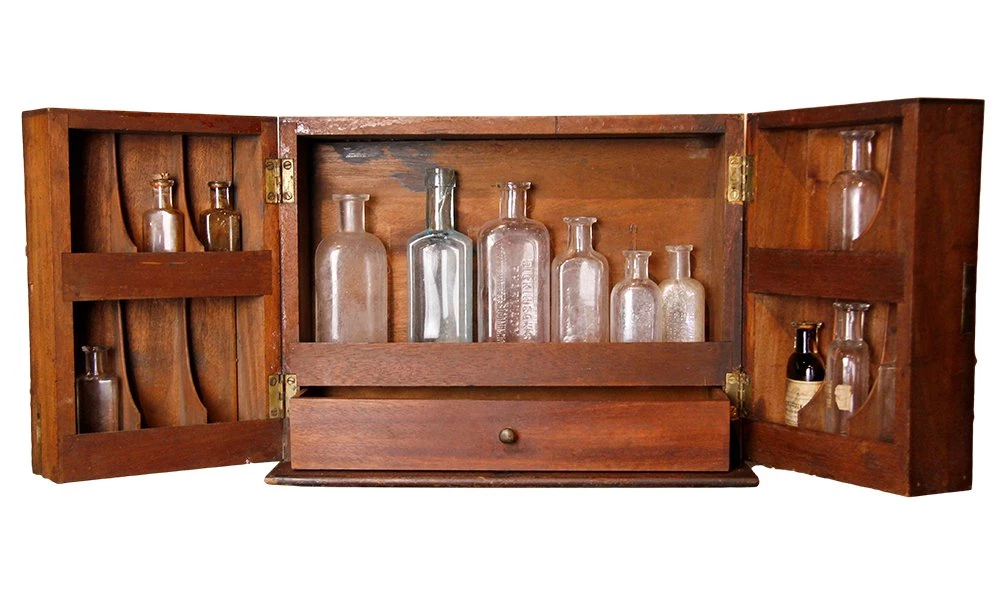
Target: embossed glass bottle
[804,371]
[854,192]
[98,400]
[351,279]
[439,262]
[162,225]
[513,255]
[580,287]
[682,299]
[847,365]
[221,224]
[635,301]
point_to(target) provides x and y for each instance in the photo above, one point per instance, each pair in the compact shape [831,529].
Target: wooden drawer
[549,435]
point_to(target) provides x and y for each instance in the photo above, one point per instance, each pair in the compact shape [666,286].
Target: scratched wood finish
[687,434]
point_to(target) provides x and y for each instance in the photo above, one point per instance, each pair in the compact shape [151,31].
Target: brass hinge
[281,387]
[740,179]
[279,181]
[738,390]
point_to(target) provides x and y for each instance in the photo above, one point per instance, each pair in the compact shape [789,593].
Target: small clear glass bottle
[682,299]
[635,301]
[221,223]
[163,225]
[351,279]
[513,255]
[804,372]
[580,287]
[98,400]
[855,191]
[439,262]
[847,368]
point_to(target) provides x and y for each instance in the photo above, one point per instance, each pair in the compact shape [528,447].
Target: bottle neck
[514,200]
[857,150]
[805,340]
[581,234]
[850,325]
[94,360]
[352,215]
[164,197]
[440,208]
[220,198]
[679,262]
[636,264]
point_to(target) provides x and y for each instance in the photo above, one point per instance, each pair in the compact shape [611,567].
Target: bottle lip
[219,184]
[340,197]
[865,134]
[807,324]
[636,253]
[852,306]
[579,220]
[679,247]
[161,180]
[513,184]
[94,348]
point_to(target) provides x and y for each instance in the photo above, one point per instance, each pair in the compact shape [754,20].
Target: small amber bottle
[221,224]
[97,394]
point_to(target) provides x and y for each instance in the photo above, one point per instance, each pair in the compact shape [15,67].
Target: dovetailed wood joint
[279,176]
[281,387]
[738,390]
[740,179]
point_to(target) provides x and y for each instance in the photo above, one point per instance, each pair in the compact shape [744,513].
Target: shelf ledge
[867,276]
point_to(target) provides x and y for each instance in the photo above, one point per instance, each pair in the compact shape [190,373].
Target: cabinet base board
[283,474]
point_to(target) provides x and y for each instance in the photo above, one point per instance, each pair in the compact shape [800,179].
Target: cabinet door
[192,335]
[914,264]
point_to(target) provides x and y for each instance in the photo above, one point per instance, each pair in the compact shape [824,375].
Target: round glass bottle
[162,225]
[682,299]
[513,255]
[854,192]
[221,224]
[847,367]
[439,262]
[635,301]
[98,401]
[351,279]
[580,287]
[804,371]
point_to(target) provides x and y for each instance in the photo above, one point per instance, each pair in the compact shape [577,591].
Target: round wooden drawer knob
[508,435]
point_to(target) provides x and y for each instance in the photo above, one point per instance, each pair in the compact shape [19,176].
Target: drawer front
[510,435]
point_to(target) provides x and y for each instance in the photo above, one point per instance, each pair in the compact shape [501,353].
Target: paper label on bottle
[842,396]
[797,395]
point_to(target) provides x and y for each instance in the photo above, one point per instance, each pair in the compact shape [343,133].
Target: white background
[224,530]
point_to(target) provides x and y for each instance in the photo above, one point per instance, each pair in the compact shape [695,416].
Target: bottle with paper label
[804,371]
[847,366]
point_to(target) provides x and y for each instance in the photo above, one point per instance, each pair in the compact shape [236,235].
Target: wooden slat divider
[864,276]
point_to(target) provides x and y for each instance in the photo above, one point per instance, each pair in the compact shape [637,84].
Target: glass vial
[682,299]
[98,402]
[804,372]
[580,287]
[847,365]
[854,192]
[351,279]
[635,301]
[439,262]
[513,258]
[221,224]
[163,225]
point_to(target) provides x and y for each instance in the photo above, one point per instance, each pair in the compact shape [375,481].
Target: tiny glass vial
[439,261]
[854,192]
[580,287]
[98,399]
[221,224]
[163,225]
[635,301]
[351,279]
[682,299]
[847,365]
[804,371]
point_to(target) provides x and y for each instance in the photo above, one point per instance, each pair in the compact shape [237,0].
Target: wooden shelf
[493,364]
[122,276]
[866,276]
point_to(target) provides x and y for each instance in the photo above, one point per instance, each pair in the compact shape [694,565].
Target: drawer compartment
[685,431]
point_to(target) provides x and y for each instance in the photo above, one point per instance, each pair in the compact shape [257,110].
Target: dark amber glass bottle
[804,372]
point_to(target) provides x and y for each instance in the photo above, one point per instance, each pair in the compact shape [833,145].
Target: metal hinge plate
[279,181]
[740,179]
[738,390]
[281,387]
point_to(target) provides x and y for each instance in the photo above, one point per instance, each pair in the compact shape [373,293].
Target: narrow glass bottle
[163,225]
[682,299]
[98,401]
[513,260]
[635,301]
[351,279]
[580,287]
[854,192]
[804,371]
[847,365]
[439,262]
[221,224]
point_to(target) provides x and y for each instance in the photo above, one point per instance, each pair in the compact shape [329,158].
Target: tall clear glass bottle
[351,279]
[580,287]
[682,299]
[854,192]
[98,400]
[513,264]
[439,262]
[635,301]
[847,365]
[221,224]
[804,372]
[163,225]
